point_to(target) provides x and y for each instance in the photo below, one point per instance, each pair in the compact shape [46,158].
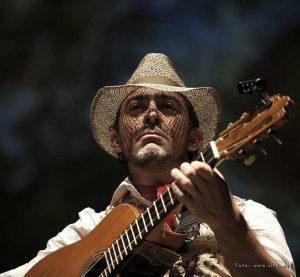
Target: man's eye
[134,107]
[169,105]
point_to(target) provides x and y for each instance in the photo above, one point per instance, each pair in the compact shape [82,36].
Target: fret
[111,259]
[120,244]
[153,212]
[151,220]
[166,197]
[116,256]
[107,262]
[157,213]
[202,157]
[135,229]
[140,221]
[124,247]
[104,273]
[164,203]
[137,224]
[160,209]
[134,238]
[129,241]
[168,201]
[147,218]
[171,198]
[146,228]
[120,252]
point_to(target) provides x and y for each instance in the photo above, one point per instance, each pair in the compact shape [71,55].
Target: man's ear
[115,141]
[195,139]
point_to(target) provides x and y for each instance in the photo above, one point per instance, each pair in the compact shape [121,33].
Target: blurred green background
[55,55]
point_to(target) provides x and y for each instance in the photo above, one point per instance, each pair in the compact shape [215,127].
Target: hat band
[156,80]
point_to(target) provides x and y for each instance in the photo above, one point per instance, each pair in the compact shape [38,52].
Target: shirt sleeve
[264,224]
[88,219]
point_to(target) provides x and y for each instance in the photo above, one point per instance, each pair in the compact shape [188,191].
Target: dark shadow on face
[147,113]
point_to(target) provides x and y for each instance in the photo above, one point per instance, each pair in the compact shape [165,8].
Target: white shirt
[260,219]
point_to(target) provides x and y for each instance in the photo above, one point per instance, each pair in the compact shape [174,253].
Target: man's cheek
[128,133]
[175,127]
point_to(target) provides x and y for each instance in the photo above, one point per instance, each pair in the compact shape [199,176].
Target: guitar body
[75,259]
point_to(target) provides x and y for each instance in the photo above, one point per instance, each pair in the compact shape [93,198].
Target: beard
[151,154]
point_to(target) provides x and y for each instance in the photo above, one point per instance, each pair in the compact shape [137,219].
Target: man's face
[153,127]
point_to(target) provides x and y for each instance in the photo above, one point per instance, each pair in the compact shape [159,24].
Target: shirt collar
[123,188]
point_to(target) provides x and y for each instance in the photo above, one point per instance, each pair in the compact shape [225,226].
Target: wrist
[232,225]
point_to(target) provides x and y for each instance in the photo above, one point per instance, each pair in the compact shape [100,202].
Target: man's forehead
[142,93]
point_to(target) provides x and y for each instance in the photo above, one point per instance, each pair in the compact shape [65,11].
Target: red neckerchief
[159,190]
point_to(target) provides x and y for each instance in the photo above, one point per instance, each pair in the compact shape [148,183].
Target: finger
[183,182]
[190,172]
[203,170]
[215,181]
[183,197]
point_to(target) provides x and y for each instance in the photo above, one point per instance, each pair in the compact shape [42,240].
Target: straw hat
[157,72]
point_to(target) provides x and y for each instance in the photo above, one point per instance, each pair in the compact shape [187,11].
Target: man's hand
[205,193]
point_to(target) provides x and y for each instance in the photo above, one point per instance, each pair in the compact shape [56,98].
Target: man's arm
[207,196]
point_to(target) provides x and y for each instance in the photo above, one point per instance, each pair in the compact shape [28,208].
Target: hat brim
[108,100]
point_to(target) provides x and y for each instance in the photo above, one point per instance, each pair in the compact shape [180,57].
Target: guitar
[108,249]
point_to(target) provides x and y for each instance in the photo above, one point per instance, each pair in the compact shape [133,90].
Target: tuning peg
[248,159]
[286,109]
[274,136]
[286,116]
[258,143]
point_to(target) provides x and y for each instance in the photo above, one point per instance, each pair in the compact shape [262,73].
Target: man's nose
[152,116]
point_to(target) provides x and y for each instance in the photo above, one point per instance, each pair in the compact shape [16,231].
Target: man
[157,126]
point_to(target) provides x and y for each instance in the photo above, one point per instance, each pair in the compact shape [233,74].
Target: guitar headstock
[246,133]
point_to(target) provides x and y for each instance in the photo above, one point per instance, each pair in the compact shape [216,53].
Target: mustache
[151,128]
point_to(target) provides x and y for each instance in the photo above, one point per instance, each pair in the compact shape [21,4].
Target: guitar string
[209,159]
